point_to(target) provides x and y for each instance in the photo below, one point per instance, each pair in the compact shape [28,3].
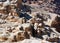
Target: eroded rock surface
[30,22]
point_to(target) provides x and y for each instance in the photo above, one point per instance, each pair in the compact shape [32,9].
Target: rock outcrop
[36,22]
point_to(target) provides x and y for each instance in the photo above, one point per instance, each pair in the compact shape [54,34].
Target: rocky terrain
[29,22]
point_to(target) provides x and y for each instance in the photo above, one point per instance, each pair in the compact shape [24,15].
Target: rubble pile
[36,25]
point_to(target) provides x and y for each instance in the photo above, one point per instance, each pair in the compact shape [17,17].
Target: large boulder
[56,23]
[27,28]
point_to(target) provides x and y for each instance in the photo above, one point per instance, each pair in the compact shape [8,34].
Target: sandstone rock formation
[30,22]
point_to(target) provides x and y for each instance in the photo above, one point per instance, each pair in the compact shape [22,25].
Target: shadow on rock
[25,15]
